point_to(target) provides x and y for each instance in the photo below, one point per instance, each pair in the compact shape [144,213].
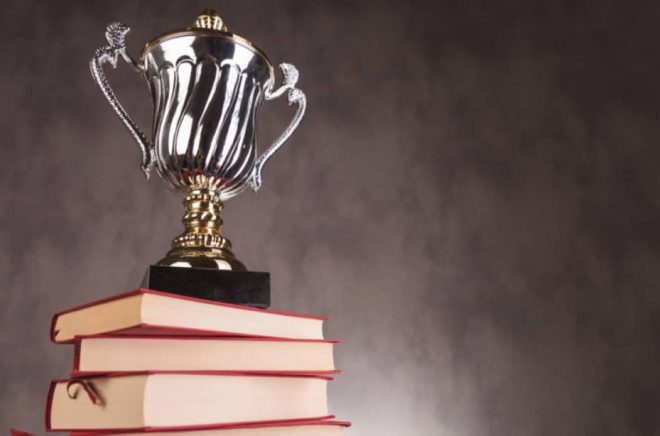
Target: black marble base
[237,287]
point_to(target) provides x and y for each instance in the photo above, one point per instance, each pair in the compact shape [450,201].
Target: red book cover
[148,329]
[327,420]
[92,398]
[76,372]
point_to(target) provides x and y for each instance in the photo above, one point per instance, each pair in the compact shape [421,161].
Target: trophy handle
[296,96]
[116,35]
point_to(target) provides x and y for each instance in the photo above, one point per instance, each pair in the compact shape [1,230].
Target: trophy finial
[209,19]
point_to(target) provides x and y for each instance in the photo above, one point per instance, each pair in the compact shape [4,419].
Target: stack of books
[148,361]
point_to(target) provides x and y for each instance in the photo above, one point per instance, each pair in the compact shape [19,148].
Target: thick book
[181,400]
[145,311]
[187,353]
[282,428]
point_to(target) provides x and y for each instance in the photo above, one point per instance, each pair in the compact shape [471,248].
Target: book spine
[49,404]
[52,331]
[76,356]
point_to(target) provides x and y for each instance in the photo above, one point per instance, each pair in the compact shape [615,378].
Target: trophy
[207,86]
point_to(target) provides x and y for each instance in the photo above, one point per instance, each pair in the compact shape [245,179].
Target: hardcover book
[179,400]
[145,311]
[186,353]
[281,428]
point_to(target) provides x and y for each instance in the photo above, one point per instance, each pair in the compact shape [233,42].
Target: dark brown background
[473,198]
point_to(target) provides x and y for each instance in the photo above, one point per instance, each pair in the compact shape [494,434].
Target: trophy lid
[208,23]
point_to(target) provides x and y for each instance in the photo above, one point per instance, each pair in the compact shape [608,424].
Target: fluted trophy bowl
[207,86]
[207,91]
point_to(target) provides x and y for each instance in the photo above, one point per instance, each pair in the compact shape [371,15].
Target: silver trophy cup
[207,86]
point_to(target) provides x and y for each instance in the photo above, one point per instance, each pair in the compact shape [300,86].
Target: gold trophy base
[202,245]
[220,259]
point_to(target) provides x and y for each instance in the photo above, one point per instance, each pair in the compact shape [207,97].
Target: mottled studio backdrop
[473,198]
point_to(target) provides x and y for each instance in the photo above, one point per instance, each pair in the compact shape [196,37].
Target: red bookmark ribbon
[94,397]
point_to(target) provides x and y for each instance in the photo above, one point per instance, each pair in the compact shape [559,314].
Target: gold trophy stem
[202,245]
